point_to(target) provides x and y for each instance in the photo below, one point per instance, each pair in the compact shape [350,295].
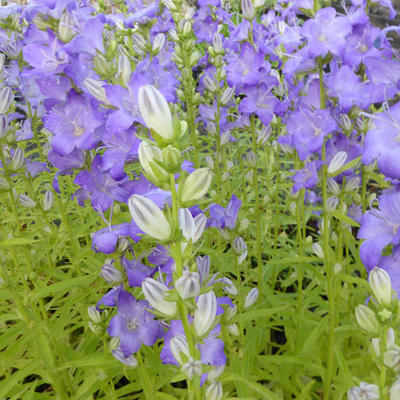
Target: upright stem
[194,386]
[257,213]
[327,264]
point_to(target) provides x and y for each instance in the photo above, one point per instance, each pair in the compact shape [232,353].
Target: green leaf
[18,242]
[344,218]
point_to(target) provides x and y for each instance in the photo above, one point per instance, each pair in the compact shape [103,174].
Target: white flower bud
[187,28]
[178,345]
[94,314]
[248,9]
[264,134]
[18,160]
[259,3]
[205,313]
[3,126]
[217,43]
[233,330]
[332,203]
[48,200]
[381,286]
[366,319]
[391,358]
[139,41]
[333,186]
[66,27]
[95,88]
[191,369]
[209,162]
[363,392]
[124,70]
[149,155]
[110,273]
[229,286]
[337,162]
[317,250]
[154,292]
[4,184]
[209,83]
[203,265]
[2,61]
[158,43]
[243,225]
[337,268]
[214,391]
[155,111]
[345,121]
[225,137]
[149,218]
[196,184]
[395,390]
[26,201]
[188,285]
[352,184]
[215,373]
[251,298]
[227,96]
[230,312]
[390,341]
[174,35]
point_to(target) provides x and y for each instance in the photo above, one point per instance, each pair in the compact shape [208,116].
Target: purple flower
[308,129]
[224,217]
[380,227]
[307,178]
[383,142]
[74,125]
[243,69]
[105,240]
[326,33]
[101,188]
[136,271]
[261,101]
[133,324]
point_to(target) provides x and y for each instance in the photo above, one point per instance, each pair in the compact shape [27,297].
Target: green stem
[194,386]
[257,213]
[144,378]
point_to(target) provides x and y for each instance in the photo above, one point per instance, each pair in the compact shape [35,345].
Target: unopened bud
[263,135]
[367,320]
[196,185]
[209,162]
[337,162]
[251,298]
[124,70]
[129,361]
[205,313]
[26,201]
[186,28]
[48,200]
[172,159]
[111,274]
[214,391]
[155,292]
[155,111]
[179,347]
[248,9]
[17,160]
[381,286]
[94,314]
[395,390]
[203,265]
[233,329]
[333,186]
[158,43]
[252,159]
[227,96]
[3,126]
[149,218]
[217,43]
[332,203]
[363,392]
[352,184]
[6,99]
[170,4]
[229,286]
[101,65]
[191,369]
[4,184]
[149,156]
[243,225]
[209,83]
[317,250]
[66,27]
[194,57]
[188,285]
[95,88]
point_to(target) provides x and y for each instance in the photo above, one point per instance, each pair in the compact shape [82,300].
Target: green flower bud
[196,184]
[172,158]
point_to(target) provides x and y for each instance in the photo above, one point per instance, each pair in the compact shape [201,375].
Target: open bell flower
[155,111]
[149,218]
